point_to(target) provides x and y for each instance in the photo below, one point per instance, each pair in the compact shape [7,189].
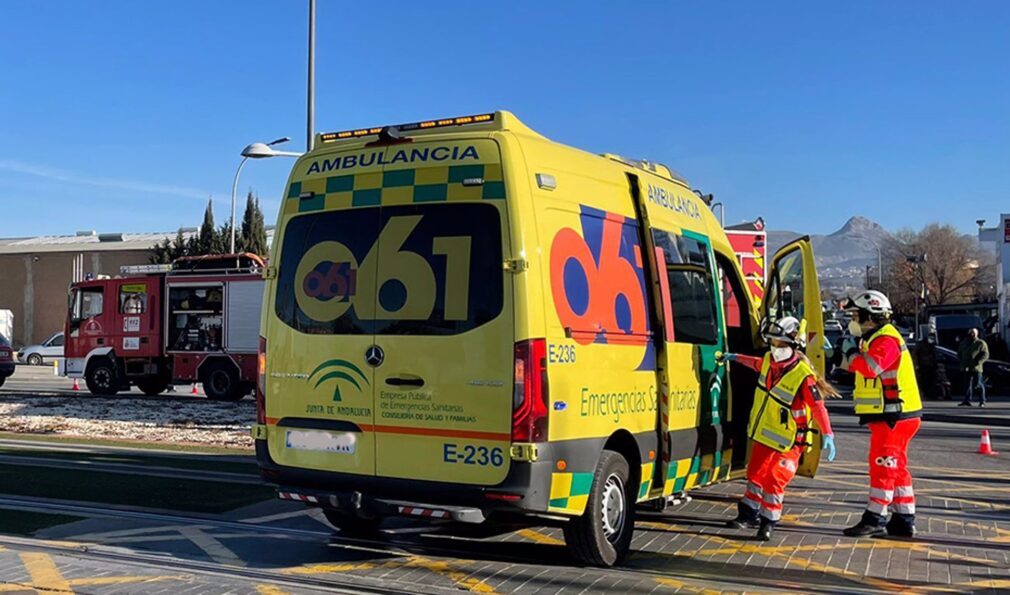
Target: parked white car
[49,350]
[831,324]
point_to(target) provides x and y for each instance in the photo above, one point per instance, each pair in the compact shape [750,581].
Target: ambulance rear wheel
[102,378]
[353,525]
[602,535]
[221,383]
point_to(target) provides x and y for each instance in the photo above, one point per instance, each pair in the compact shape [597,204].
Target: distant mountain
[843,255]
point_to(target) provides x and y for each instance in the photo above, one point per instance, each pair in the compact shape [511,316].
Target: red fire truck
[196,320]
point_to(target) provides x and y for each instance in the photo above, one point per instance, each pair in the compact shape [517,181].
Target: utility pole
[311,115]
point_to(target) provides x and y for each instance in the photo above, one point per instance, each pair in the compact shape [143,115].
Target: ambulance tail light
[261,382]
[530,394]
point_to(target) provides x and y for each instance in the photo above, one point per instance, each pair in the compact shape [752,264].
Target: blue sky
[126,116]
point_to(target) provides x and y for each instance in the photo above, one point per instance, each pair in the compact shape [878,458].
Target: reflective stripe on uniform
[882,496]
[783,395]
[774,499]
[799,413]
[872,363]
[779,439]
[772,514]
[892,408]
[903,508]
[876,507]
[904,492]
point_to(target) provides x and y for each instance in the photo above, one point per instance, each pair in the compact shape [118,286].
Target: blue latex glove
[727,357]
[828,446]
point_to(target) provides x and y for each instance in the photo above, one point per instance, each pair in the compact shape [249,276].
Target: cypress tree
[254,236]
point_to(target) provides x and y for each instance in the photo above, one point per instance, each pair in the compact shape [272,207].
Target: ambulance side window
[692,288]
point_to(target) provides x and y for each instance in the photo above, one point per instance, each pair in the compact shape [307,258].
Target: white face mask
[781,354]
[855,329]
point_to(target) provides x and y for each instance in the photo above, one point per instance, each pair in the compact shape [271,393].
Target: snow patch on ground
[168,420]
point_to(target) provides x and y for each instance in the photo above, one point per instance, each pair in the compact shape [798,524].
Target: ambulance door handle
[412,382]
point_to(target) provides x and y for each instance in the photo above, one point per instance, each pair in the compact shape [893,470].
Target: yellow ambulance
[465,320]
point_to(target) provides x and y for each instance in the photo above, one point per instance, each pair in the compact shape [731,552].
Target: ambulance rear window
[414,269]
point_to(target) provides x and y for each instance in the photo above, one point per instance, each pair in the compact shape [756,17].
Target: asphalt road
[98,519]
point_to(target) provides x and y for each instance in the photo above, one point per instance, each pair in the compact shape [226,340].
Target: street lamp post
[880,267]
[310,120]
[254,151]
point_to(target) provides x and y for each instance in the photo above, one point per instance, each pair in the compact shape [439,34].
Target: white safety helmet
[871,301]
[786,329]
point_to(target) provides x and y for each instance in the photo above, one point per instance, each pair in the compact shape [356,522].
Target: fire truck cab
[196,320]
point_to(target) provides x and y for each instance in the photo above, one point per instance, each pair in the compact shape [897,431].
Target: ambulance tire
[102,378]
[602,535]
[221,383]
[353,525]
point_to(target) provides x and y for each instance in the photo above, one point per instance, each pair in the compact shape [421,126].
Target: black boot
[746,517]
[870,524]
[901,525]
[765,531]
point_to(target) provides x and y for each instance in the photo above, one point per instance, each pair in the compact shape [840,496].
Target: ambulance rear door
[444,332]
[793,289]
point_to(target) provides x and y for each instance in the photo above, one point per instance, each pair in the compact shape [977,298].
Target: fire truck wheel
[101,378]
[221,383]
[602,535]
[155,385]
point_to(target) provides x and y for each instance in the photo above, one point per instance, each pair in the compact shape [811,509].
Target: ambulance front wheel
[602,535]
[353,525]
[102,378]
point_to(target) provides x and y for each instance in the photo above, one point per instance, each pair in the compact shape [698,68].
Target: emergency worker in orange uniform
[788,394]
[887,401]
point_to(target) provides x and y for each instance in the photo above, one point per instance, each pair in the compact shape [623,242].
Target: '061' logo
[597,280]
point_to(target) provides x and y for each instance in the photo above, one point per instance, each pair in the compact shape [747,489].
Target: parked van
[465,320]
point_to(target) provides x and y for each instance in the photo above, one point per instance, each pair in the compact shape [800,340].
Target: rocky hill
[841,256]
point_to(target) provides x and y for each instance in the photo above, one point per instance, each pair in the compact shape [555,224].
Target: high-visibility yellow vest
[772,422]
[893,391]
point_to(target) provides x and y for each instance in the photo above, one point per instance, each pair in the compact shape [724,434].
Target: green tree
[170,249]
[254,233]
[208,241]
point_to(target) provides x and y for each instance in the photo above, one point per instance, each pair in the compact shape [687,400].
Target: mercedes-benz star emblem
[374,356]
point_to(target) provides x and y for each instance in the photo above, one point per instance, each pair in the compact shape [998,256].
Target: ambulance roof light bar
[425,125]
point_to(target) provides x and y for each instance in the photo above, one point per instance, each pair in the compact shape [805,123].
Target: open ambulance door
[793,290]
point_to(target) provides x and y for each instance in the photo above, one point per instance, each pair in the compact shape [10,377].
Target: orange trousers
[890,479]
[768,473]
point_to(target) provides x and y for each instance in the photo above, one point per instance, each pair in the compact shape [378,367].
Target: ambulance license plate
[344,443]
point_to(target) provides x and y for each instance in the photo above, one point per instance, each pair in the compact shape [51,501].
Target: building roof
[92,241]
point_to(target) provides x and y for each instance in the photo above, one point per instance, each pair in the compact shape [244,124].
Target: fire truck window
[133,299]
[195,318]
[89,303]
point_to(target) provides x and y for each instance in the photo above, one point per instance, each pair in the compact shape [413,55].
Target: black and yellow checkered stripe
[398,186]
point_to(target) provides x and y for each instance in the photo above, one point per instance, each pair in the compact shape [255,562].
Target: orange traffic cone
[76,385]
[194,391]
[985,447]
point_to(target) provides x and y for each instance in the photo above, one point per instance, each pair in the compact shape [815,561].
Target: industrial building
[35,273]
